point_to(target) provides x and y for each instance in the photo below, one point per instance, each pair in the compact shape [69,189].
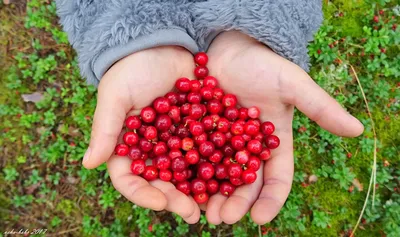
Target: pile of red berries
[198,138]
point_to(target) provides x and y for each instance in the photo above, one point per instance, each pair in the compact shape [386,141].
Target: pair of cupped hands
[243,66]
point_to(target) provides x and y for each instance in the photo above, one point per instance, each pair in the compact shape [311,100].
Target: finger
[195,217]
[177,202]
[213,208]
[314,102]
[203,206]
[108,120]
[134,188]
[278,176]
[239,203]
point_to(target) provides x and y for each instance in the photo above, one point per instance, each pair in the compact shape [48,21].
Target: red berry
[206,148]
[214,107]
[216,157]
[238,143]
[207,93]
[201,198]
[218,93]
[265,154]
[161,105]
[272,141]
[243,113]
[148,114]
[137,166]
[163,122]
[253,112]
[135,153]
[201,58]
[218,138]
[150,133]
[236,181]
[221,172]
[162,162]
[180,176]
[246,137]
[183,84]
[174,143]
[187,121]
[227,150]
[208,123]
[196,111]
[210,82]
[251,128]
[201,72]
[242,156]
[229,100]
[165,175]
[182,131]
[192,157]
[198,140]
[179,164]
[121,150]
[145,145]
[194,97]
[253,163]
[249,176]
[226,189]
[205,171]
[172,98]
[187,144]
[227,161]
[196,128]
[212,186]
[130,138]
[223,125]
[198,186]
[174,153]
[133,122]
[267,128]
[234,170]
[231,113]
[185,109]
[195,86]
[160,148]
[254,146]
[184,187]
[181,98]
[259,136]
[164,136]
[376,19]
[150,173]
[237,128]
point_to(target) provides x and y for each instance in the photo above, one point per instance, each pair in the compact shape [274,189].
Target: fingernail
[87,155]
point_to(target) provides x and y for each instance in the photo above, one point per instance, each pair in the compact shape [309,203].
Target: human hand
[130,85]
[259,77]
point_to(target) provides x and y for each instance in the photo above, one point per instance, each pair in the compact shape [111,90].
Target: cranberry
[180,176]
[196,111]
[246,137]
[181,98]
[162,162]
[228,136]
[174,153]
[187,121]
[174,143]
[265,154]
[208,123]
[200,139]
[253,112]
[234,170]
[210,81]
[133,122]
[228,150]
[251,128]
[226,189]
[272,141]
[243,113]
[259,136]
[195,86]
[130,138]
[194,97]
[249,176]
[221,172]
[160,148]
[238,142]
[196,128]
[218,93]
[150,133]
[121,150]
[237,128]
[150,173]
[135,153]
[200,198]
[185,109]
[201,58]
[242,156]
[254,146]
[165,136]
[145,145]
[161,105]
[165,175]
[229,100]
[182,131]
[198,186]
[267,128]
[218,138]
[206,93]
[253,163]
[205,171]
[212,186]
[187,144]
[227,161]
[183,84]
[236,181]
[137,166]
[201,72]
[184,187]
[172,97]
[214,107]
[206,148]
[179,164]
[216,157]
[231,113]
[163,122]
[223,125]
[192,157]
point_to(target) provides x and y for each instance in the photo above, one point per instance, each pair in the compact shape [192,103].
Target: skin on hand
[260,77]
[129,85]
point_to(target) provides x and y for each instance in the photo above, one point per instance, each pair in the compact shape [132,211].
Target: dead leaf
[34,97]
[313,178]
[357,184]
[32,188]
[72,180]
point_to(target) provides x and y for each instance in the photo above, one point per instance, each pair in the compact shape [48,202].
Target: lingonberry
[236,181]
[206,93]
[216,157]
[162,162]
[210,81]
[253,112]
[161,105]
[243,113]
[182,131]
[195,86]
[246,137]
[164,136]
[130,138]
[259,136]
[242,156]
[135,153]
[228,136]
[201,198]
[218,138]
[227,161]
[189,173]
[196,111]
[194,97]
[254,146]
[183,84]
[205,171]
[148,114]
[223,125]
[208,123]
[229,100]
[201,72]
[150,173]
[237,128]
[214,107]
[145,145]
[133,122]
[265,154]
[121,150]
[192,157]
[179,164]
[165,175]
[174,143]
[231,113]
[184,187]
[196,128]
[226,188]
[150,133]
[206,149]
[160,148]
[238,142]
[138,166]
[181,98]
[163,122]
[234,170]
[198,140]
[249,176]
[187,144]
[201,58]
[215,117]
[253,163]
[251,127]
[227,150]
[172,98]
[174,153]
[267,128]
[198,186]
[272,141]
[180,176]
[187,120]
[185,109]
[212,186]
[221,172]
[218,93]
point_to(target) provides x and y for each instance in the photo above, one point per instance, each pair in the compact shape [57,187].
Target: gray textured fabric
[104,31]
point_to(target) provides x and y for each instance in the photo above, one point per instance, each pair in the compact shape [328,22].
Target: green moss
[66,206]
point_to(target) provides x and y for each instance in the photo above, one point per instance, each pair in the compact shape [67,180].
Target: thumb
[112,107]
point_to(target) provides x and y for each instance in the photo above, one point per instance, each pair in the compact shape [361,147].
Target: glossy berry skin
[227,161]
[160,148]
[242,156]
[162,162]
[253,163]
[184,187]
[172,98]
[207,93]
[163,122]
[133,122]
[226,189]
[223,125]
[205,171]
[259,136]
[206,148]
[195,86]
[121,150]
[227,150]
[218,138]
[165,175]
[196,111]
[210,82]
[196,128]
[221,171]
[214,107]
[198,186]
[148,114]
[243,113]
[150,173]
[236,181]
[201,198]
[212,186]
[145,145]
[218,93]
[137,166]
[174,143]
[253,112]
[179,164]
[130,138]
[231,113]
[238,142]
[216,157]
[180,176]
[194,97]
[192,157]
[181,98]
[182,131]
[267,128]
[183,84]
[201,59]
[165,136]
[249,176]
[200,72]
[229,100]
[161,105]
[198,140]
[237,128]
[265,154]
[251,128]
[135,153]
[187,144]
[272,142]
[150,133]
[234,170]
[208,123]
[254,146]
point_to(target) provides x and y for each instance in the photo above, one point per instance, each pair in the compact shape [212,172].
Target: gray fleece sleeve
[104,31]
[286,26]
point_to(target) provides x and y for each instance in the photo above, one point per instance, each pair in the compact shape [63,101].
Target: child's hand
[131,84]
[261,78]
